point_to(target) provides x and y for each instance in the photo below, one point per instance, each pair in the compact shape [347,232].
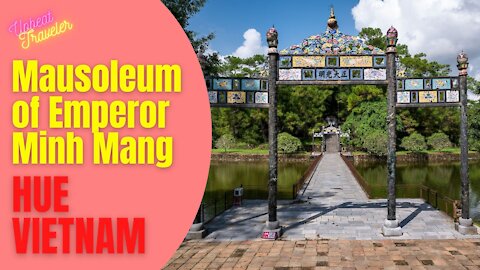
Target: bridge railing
[214,207]
[441,202]
[306,176]
[365,186]
[431,196]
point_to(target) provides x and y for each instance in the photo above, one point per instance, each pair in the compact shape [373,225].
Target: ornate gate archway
[334,58]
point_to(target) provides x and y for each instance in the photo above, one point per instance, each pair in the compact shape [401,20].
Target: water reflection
[225,176]
[443,177]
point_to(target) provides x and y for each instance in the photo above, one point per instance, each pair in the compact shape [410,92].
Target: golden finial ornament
[332,21]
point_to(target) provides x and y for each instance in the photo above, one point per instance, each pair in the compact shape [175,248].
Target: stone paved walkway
[328,254]
[333,206]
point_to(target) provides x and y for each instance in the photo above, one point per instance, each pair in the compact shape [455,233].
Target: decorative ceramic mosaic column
[272,230]
[391,226]
[465,224]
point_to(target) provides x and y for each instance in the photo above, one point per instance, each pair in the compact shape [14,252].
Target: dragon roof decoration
[333,41]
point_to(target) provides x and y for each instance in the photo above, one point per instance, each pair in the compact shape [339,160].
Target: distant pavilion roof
[332,42]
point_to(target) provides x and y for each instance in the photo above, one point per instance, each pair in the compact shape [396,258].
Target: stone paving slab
[333,206]
[328,254]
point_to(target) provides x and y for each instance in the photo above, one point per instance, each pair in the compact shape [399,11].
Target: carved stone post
[197,231]
[465,224]
[391,227]
[272,230]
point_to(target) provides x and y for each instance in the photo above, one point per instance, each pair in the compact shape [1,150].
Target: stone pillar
[272,229]
[465,223]
[391,226]
[197,231]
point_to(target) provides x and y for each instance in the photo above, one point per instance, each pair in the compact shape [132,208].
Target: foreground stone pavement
[328,254]
[333,206]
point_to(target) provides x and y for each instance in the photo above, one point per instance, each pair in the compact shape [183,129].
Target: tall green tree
[183,10]
[474,125]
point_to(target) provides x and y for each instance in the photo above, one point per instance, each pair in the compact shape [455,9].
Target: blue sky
[439,28]
[294,20]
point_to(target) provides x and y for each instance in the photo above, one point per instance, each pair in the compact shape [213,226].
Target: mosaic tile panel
[332,61]
[441,84]
[308,61]
[333,74]
[430,90]
[356,74]
[222,97]
[356,61]
[285,62]
[250,97]
[441,96]
[427,96]
[246,92]
[290,74]
[308,74]
[413,84]
[261,98]
[379,61]
[427,84]
[212,96]
[403,97]
[236,97]
[236,84]
[222,84]
[375,74]
[455,83]
[250,85]
[264,85]
[453,96]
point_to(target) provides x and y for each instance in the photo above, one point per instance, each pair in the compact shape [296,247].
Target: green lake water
[441,177]
[444,178]
[225,176]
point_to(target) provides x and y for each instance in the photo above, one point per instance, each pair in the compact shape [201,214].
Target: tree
[473,85]
[418,66]
[474,125]
[183,10]
[254,66]
[414,143]
[366,119]
[226,141]
[288,144]
[374,37]
[376,143]
[362,93]
[439,141]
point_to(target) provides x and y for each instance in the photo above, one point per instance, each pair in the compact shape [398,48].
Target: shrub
[263,146]
[288,144]
[376,143]
[225,142]
[242,145]
[415,143]
[439,141]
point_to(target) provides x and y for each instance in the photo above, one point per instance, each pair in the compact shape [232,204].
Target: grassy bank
[429,152]
[241,151]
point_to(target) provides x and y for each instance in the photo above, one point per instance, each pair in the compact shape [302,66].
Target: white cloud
[252,45]
[439,28]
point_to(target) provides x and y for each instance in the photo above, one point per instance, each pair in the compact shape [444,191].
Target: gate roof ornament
[462,60]
[332,41]
[392,38]
[332,22]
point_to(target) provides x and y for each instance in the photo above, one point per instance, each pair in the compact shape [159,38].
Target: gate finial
[332,21]
[462,60]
